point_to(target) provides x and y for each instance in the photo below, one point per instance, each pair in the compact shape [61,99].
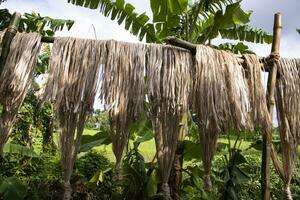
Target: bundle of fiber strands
[220,100]
[259,109]
[72,86]
[123,92]
[1,37]
[168,82]
[288,110]
[16,78]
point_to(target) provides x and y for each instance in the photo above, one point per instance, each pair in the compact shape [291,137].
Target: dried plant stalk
[16,79]
[72,85]
[220,100]
[122,91]
[288,110]
[168,81]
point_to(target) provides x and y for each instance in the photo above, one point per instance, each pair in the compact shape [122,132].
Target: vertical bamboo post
[8,37]
[267,137]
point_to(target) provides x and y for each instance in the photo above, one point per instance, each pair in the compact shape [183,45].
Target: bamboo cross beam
[47,39]
[8,37]
[172,40]
[267,137]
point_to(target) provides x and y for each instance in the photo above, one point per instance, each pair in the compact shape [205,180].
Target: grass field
[148,148]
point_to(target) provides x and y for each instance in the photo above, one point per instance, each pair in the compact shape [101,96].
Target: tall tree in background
[195,21]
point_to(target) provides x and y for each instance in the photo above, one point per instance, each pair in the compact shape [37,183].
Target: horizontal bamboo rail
[172,40]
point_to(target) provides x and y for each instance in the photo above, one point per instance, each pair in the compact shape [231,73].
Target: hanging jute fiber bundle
[168,82]
[259,110]
[122,91]
[219,99]
[1,37]
[16,78]
[72,86]
[288,110]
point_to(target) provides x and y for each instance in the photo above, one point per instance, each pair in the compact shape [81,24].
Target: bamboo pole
[181,43]
[47,39]
[8,37]
[267,137]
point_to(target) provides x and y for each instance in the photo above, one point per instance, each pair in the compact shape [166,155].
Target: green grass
[148,149]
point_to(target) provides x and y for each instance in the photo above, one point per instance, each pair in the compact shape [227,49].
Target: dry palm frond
[16,79]
[288,109]
[122,91]
[72,85]
[168,81]
[219,99]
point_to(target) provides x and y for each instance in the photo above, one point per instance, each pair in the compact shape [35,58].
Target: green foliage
[298,30]
[196,21]
[12,188]
[140,179]
[141,130]
[246,33]
[192,184]
[120,11]
[43,60]
[34,22]
[5,17]
[90,163]
[234,175]
[192,150]
[90,141]
[166,15]
[239,48]
[10,148]
[34,125]
[98,119]
[47,26]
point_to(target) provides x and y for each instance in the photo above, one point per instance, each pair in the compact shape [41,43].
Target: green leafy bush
[91,162]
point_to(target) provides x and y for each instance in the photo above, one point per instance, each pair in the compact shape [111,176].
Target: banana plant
[195,21]
[34,22]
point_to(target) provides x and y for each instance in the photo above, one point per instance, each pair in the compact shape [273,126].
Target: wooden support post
[8,37]
[267,137]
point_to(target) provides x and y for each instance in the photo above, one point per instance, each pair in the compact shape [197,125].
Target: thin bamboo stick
[267,137]
[8,37]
